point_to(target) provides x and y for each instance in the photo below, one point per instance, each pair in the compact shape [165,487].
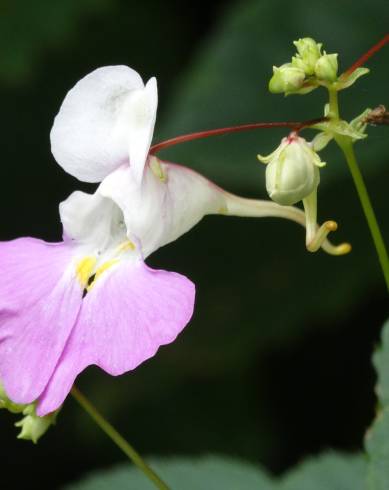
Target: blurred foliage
[280,338]
[328,472]
[31,29]
[377,438]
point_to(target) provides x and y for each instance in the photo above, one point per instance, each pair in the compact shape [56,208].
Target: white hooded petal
[104,117]
[137,119]
[92,220]
[169,202]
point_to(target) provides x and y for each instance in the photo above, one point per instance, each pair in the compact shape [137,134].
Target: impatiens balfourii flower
[91,299]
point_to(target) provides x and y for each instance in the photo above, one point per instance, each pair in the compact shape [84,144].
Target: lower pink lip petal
[38,308]
[123,322]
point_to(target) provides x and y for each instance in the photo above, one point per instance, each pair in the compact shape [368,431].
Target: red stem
[362,60]
[295,126]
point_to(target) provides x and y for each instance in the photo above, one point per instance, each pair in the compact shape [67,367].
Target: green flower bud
[309,51]
[32,426]
[286,78]
[326,67]
[292,172]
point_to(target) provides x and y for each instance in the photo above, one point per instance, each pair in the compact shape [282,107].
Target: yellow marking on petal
[107,265]
[124,247]
[84,270]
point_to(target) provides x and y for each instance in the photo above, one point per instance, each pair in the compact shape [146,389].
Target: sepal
[345,80]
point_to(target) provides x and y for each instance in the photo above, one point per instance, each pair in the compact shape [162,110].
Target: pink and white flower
[91,299]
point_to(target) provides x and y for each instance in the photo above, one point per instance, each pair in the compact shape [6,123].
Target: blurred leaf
[328,472]
[377,446]
[377,437]
[30,29]
[381,364]
[210,473]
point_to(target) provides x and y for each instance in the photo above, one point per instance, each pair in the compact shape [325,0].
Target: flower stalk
[294,125]
[119,440]
[346,145]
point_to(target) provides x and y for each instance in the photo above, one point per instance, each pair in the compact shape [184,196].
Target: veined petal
[170,201]
[105,115]
[124,319]
[40,300]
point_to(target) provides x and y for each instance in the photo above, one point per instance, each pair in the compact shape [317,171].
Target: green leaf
[381,364]
[377,437]
[330,471]
[210,473]
[377,447]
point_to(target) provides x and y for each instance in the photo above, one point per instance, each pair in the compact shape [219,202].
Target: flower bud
[308,54]
[286,78]
[32,426]
[326,67]
[292,172]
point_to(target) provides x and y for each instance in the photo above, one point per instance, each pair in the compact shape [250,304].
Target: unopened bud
[326,67]
[308,54]
[292,171]
[286,78]
[32,426]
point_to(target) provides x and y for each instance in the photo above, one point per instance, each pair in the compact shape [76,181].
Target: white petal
[138,120]
[92,133]
[165,206]
[92,220]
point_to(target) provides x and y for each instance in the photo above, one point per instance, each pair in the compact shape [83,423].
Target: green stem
[346,145]
[348,150]
[111,432]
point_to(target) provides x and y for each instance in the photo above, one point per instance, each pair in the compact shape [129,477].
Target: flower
[91,299]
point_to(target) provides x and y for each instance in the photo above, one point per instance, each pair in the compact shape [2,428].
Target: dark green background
[275,364]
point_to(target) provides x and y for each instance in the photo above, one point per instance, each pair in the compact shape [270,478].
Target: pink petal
[38,308]
[124,319]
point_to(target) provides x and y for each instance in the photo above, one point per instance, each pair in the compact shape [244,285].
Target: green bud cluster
[32,426]
[308,69]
